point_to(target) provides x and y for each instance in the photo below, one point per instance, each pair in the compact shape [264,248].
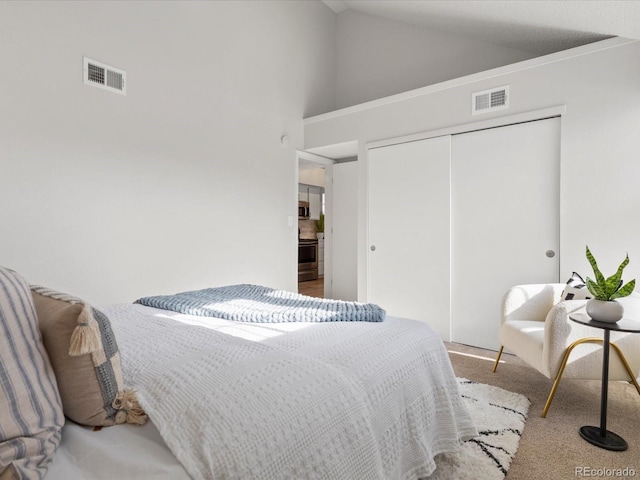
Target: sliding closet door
[408,256]
[505,221]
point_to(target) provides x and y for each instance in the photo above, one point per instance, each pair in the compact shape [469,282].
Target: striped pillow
[31,416]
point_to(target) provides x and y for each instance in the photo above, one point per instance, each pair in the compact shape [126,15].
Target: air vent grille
[115,80]
[490,100]
[104,76]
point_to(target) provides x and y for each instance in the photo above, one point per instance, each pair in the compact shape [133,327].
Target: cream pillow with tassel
[86,361]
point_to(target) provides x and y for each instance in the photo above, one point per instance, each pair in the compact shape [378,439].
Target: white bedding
[339,400]
[127,452]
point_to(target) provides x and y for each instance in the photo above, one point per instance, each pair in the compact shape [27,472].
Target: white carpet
[499,416]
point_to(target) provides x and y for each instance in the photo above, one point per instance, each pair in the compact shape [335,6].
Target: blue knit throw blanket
[253,303]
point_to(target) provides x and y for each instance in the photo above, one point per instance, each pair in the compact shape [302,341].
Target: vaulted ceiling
[540,27]
[536,26]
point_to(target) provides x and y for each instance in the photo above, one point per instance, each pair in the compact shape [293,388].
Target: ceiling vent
[490,100]
[104,76]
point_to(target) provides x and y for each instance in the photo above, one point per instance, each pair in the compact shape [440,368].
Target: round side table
[600,436]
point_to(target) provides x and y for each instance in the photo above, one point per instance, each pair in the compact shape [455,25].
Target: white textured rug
[499,416]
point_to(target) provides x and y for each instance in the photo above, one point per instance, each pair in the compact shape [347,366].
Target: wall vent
[490,100]
[104,76]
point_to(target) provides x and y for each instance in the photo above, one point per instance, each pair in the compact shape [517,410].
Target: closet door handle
[550,253]
[373,248]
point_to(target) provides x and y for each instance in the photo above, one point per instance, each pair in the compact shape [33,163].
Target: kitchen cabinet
[312,195]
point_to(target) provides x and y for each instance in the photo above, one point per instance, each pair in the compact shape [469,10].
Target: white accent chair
[535,327]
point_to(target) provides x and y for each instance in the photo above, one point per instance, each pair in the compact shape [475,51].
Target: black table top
[623,325]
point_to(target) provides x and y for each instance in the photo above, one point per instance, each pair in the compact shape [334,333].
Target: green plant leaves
[616,278]
[594,265]
[624,290]
[595,290]
[610,288]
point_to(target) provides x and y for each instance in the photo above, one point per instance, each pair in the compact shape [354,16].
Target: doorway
[312,174]
[337,251]
[311,215]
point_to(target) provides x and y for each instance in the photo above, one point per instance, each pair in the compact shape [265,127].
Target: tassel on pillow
[86,336]
[127,403]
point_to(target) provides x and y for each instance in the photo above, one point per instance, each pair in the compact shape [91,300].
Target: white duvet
[339,400]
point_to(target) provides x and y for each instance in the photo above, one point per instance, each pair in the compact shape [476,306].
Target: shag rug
[499,416]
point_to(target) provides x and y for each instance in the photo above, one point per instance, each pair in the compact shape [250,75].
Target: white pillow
[576,289]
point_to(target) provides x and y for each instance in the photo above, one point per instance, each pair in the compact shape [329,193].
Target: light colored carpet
[499,416]
[551,448]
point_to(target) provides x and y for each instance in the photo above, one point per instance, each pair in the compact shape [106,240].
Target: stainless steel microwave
[303,210]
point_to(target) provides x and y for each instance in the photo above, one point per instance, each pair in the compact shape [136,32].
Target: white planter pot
[320,235]
[605,311]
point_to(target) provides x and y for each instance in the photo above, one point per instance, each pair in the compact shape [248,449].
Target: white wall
[180,184]
[599,85]
[378,57]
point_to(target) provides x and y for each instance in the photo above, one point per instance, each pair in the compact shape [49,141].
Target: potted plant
[603,307]
[320,226]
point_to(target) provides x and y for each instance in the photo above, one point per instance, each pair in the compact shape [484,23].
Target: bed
[237,400]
